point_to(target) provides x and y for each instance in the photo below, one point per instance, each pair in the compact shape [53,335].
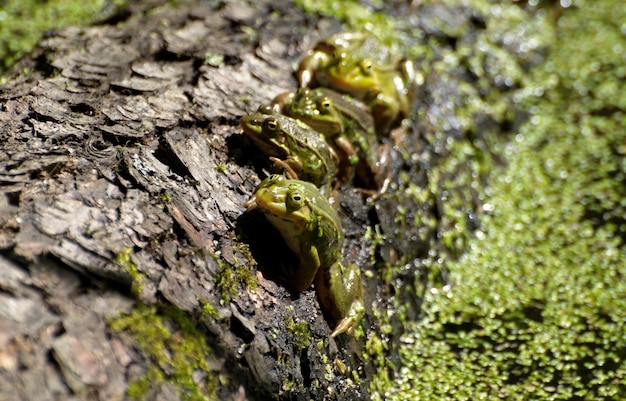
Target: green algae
[177,350]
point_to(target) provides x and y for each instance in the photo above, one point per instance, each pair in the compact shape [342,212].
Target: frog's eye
[270,124]
[367,66]
[295,199]
[325,104]
[336,56]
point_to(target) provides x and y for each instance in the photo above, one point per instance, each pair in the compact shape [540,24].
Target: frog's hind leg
[340,293]
[381,175]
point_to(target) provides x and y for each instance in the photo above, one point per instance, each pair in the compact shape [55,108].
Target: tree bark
[123,172]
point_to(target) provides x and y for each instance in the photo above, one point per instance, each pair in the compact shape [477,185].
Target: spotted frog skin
[357,64]
[312,229]
[301,151]
[348,127]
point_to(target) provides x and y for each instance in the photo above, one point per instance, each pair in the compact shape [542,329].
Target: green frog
[302,152]
[347,125]
[311,228]
[358,64]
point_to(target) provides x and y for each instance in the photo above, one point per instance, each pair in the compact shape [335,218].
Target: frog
[311,228]
[358,64]
[349,128]
[301,151]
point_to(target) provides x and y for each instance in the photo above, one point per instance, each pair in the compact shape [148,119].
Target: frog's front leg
[278,104]
[356,309]
[343,143]
[307,269]
[340,293]
[309,65]
[386,112]
[290,165]
[382,172]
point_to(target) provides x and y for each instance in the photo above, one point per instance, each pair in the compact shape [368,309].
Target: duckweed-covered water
[537,306]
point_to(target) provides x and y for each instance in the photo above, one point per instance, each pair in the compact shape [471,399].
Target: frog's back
[330,242]
[316,154]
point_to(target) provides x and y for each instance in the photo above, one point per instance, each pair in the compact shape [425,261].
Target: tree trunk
[123,173]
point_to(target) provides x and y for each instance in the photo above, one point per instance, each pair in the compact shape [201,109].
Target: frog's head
[353,75]
[265,130]
[316,109]
[325,55]
[284,202]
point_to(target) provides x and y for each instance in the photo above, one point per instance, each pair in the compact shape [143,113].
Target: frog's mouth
[263,192]
[259,200]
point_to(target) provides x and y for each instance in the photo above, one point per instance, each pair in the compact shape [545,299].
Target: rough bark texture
[122,139]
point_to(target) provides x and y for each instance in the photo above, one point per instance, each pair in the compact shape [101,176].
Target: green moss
[176,349]
[214,60]
[301,331]
[138,278]
[221,168]
[23,22]
[356,16]
[165,198]
[208,309]
[236,274]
